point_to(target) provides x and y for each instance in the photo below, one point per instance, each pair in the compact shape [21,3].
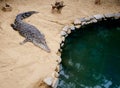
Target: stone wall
[80,22]
[76,25]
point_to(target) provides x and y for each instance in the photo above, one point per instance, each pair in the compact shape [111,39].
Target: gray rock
[77,26]
[63,39]
[117,15]
[77,22]
[84,23]
[66,28]
[60,50]
[109,15]
[55,74]
[94,21]
[48,81]
[62,44]
[63,33]
[99,17]
[59,60]
[88,19]
[88,22]
[69,31]
[57,68]
[55,83]
[72,27]
[82,19]
[66,35]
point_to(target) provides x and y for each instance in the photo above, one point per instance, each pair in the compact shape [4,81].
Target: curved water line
[82,22]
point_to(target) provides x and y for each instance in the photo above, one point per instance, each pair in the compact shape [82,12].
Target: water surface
[91,57]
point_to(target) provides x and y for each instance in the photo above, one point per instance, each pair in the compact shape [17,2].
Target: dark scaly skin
[30,32]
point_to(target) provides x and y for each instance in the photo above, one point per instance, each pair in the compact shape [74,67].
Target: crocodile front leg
[23,42]
[14,27]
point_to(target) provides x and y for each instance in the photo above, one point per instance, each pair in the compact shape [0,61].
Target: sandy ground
[25,66]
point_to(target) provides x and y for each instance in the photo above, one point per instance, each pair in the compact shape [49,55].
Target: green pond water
[91,57]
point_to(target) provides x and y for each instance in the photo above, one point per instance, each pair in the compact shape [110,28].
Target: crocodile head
[42,44]
[27,14]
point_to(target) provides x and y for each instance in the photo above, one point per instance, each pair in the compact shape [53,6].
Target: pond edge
[66,30]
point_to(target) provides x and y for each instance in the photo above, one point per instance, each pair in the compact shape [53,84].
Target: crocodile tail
[24,15]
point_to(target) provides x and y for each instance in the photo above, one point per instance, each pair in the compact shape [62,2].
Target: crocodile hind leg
[14,27]
[24,41]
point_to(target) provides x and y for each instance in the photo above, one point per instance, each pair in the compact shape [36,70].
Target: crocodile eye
[27,14]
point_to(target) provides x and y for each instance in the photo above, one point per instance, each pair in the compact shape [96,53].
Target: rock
[84,23]
[57,68]
[59,60]
[55,74]
[82,19]
[77,26]
[88,19]
[66,28]
[48,81]
[59,52]
[55,83]
[7,8]
[62,44]
[117,15]
[66,35]
[99,17]
[77,22]
[69,31]
[63,39]
[63,33]
[72,27]
[94,21]
[109,15]
[90,22]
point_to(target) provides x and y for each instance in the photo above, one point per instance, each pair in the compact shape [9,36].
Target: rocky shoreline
[80,22]
[77,24]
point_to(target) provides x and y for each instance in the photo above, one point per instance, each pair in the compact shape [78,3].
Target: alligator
[30,32]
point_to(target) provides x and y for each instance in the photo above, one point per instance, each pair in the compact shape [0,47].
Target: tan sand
[25,66]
